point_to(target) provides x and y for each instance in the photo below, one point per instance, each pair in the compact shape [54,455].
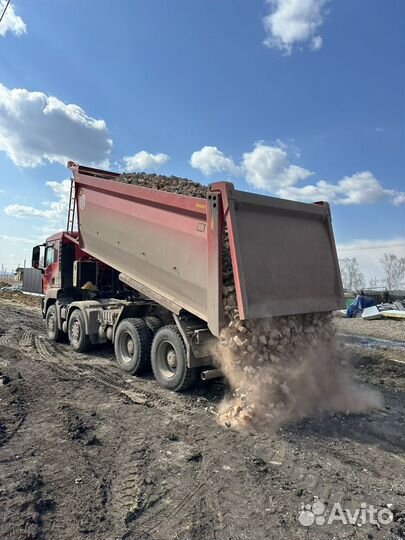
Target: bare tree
[394,268]
[352,278]
[373,283]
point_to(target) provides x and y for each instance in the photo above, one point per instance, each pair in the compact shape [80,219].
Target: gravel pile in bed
[172,184]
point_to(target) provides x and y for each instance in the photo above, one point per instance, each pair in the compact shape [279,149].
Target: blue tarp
[359,303]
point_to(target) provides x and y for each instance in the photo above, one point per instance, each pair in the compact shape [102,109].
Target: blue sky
[299,99]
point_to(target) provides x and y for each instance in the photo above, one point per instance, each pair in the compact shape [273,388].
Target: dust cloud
[284,369]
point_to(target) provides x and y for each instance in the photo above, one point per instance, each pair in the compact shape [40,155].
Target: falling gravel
[278,368]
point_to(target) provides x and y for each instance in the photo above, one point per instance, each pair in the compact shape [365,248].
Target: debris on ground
[398,314]
[7,287]
[368,308]
[371,313]
[135,397]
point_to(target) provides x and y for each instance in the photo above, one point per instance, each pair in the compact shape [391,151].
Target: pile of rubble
[252,354]
[172,184]
[264,360]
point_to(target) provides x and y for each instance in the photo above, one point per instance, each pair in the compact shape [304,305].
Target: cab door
[51,277]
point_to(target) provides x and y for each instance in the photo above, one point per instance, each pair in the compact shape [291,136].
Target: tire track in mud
[27,339]
[97,365]
[107,378]
[7,340]
[127,484]
[65,362]
[163,519]
[186,491]
[141,496]
[13,337]
[10,336]
[47,353]
[100,367]
[16,327]
[204,498]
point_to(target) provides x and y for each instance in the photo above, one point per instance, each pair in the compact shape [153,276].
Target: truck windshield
[49,255]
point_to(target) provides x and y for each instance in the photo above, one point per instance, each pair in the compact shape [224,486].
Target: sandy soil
[89,453]
[381,328]
[21,298]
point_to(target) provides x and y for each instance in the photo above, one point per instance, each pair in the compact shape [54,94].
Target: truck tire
[132,346]
[51,322]
[169,360]
[154,324]
[78,338]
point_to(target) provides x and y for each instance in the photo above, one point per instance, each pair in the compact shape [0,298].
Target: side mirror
[36,257]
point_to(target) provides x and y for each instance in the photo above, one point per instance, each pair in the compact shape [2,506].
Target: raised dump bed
[169,247]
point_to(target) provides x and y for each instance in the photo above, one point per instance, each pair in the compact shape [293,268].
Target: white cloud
[18,239]
[293,22]
[54,212]
[11,21]
[267,168]
[321,191]
[23,211]
[35,128]
[369,252]
[360,188]
[316,43]
[143,161]
[210,160]
[398,198]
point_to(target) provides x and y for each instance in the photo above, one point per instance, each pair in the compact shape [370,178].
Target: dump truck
[142,268]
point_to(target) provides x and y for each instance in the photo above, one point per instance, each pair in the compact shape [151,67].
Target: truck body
[155,259]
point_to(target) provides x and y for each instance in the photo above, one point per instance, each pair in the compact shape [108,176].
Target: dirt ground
[21,298]
[86,452]
[381,328]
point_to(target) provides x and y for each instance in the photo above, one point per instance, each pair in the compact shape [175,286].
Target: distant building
[19,273]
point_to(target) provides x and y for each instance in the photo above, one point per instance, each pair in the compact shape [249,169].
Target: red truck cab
[55,258]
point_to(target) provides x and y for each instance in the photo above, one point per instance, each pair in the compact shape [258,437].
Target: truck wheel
[78,338]
[154,324]
[132,346]
[51,321]
[169,360]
